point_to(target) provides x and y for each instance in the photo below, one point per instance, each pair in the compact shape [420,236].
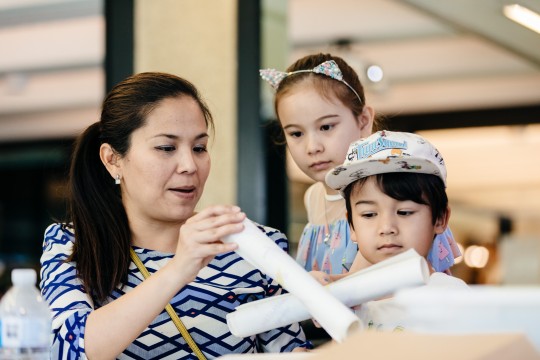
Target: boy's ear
[365,121]
[442,223]
[353,234]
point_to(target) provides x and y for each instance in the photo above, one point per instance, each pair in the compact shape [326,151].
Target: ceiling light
[374,73]
[523,16]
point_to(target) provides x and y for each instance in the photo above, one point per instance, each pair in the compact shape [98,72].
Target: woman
[135,179]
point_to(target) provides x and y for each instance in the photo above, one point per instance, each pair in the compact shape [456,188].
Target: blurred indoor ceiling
[440,56]
[51,67]
[437,56]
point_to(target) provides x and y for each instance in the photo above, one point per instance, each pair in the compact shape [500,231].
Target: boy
[394,184]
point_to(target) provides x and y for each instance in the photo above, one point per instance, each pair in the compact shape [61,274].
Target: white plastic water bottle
[25,320]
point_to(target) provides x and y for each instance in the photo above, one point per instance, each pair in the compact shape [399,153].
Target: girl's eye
[166,148]
[405,212]
[200,149]
[327,127]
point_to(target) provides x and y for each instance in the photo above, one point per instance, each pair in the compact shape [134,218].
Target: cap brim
[343,175]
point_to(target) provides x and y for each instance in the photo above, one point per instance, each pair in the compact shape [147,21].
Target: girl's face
[318,130]
[164,172]
[384,227]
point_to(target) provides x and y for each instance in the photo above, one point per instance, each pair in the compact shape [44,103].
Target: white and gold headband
[328,68]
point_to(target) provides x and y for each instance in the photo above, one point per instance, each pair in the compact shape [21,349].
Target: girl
[321,107]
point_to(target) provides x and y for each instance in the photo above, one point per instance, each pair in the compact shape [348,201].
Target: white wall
[196,39]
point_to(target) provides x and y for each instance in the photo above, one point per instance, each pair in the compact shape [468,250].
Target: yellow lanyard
[176,320]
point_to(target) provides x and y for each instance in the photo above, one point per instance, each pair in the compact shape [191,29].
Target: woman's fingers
[216,222]
[210,249]
[207,228]
[214,214]
[200,237]
[212,234]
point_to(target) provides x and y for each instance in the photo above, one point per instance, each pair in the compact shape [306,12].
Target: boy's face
[384,227]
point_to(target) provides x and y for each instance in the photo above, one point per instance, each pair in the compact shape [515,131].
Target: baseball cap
[385,152]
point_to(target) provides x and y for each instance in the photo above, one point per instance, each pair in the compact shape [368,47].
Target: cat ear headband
[328,68]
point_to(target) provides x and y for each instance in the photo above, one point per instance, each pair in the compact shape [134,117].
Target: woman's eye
[200,148]
[295,134]
[166,148]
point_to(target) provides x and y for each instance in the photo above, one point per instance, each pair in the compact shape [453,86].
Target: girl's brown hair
[325,85]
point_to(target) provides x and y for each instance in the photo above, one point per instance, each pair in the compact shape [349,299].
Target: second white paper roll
[263,253]
[404,270]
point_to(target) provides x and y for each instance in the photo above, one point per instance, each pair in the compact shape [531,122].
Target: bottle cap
[23,276]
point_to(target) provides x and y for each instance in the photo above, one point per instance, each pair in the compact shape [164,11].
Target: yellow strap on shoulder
[176,320]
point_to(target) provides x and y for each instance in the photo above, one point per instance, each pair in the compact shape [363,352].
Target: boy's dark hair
[421,188]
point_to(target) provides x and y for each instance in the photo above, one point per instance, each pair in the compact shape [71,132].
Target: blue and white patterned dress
[227,282]
[326,244]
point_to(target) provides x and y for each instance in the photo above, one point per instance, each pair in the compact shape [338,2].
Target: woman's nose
[186,163]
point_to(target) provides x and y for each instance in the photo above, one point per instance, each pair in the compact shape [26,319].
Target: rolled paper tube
[404,270]
[262,252]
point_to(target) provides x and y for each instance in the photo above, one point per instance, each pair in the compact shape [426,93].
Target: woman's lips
[184,192]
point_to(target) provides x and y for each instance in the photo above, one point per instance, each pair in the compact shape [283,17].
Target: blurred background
[467,77]
[461,73]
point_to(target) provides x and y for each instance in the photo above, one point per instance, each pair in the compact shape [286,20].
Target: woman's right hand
[200,238]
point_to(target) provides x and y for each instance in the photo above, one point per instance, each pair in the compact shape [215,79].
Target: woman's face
[319,130]
[164,172]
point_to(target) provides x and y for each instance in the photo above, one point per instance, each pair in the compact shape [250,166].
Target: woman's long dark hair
[95,208]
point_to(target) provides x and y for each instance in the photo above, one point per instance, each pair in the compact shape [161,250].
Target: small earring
[117,179]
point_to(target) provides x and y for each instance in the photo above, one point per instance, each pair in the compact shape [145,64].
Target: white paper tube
[263,253]
[404,270]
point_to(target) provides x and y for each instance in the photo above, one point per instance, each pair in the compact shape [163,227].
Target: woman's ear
[442,223]
[110,159]
[365,121]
